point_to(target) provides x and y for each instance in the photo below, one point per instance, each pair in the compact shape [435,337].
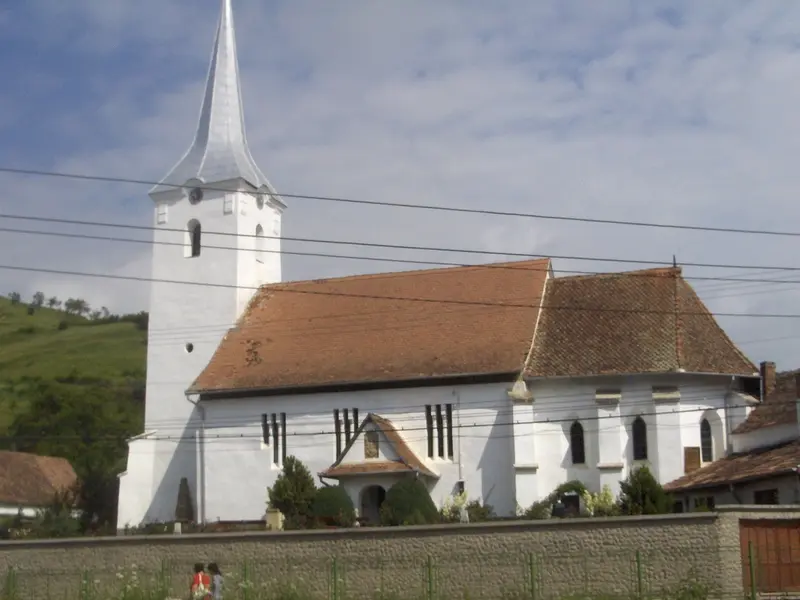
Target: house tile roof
[648,321]
[755,464]
[476,320]
[408,459]
[365,468]
[778,408]
[394,326]
[30,480]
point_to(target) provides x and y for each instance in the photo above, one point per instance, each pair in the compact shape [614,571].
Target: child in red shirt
[201,583]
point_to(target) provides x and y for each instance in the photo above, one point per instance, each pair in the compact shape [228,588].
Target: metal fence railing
[646,574]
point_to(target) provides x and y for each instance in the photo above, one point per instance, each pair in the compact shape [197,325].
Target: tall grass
[132,583]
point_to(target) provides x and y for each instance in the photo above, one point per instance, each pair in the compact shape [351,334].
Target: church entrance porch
[372,497]
[375,458]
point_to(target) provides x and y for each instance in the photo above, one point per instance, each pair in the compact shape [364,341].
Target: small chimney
[768,379]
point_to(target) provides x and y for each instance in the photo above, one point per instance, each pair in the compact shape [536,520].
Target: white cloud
[679,112]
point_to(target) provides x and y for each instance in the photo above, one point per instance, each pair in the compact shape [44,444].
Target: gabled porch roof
[407,460]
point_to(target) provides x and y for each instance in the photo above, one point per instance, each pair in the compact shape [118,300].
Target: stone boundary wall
[558,557]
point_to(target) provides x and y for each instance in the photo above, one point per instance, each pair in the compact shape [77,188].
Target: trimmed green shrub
[408,503]
[293,494]
[332,506]
[641,494]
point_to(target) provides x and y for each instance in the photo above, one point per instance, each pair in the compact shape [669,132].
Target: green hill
[52,345]
[73,386]
[36,346]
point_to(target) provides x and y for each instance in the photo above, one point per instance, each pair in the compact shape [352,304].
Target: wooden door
[776,550]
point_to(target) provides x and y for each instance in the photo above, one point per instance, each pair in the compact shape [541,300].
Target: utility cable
[404,247]
[453,209]
[400,428]
[292,289]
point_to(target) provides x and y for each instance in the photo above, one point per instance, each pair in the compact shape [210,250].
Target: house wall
[543,454]
[788,487]
[478,560]
[12,510]
[766,436]
[240,468]
[502,456]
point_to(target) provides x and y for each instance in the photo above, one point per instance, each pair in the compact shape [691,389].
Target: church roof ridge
[524,264]
[219,151]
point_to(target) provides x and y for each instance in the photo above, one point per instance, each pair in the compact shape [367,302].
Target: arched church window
[706,441]
[639,430]
[193,235]
[260,246]
[577,444]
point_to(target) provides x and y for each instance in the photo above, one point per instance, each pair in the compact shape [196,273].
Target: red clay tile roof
[457,321]
[408,459]
[371,328]
[778,408]
[29,480]
[365,468]
[635,322]
[756,464]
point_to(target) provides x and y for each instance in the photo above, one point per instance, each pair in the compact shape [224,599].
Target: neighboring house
[764,464]
[501,380]
[29,483]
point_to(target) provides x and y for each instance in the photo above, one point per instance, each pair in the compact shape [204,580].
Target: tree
[15,297]
[293,493]
[333,506]
[70,306]
[99,420]
[82,306]
[641,494]
[38,299]
[53,302]
[408,503]
[76,306]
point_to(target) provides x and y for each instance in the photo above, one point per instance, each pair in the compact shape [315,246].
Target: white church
[501,380]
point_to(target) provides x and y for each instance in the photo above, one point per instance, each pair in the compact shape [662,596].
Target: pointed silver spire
[219,151]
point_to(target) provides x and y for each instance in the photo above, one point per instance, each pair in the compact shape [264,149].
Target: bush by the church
[543,508]
[293,494]
[332,506]
[641,494]
[477,512]
[408,503]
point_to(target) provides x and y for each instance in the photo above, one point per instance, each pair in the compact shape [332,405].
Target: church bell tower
[217,223]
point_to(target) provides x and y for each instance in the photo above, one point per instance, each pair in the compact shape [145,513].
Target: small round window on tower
[260,201]
[196,195]
[189,347]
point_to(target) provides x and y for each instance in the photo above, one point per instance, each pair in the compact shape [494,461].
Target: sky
[671,112]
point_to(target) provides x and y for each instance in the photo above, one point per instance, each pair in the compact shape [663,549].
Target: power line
[645,274]
[472,251]
[400,428]
[476,211]
[288,288]
[472,408]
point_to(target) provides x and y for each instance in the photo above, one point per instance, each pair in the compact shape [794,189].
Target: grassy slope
[113,352]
